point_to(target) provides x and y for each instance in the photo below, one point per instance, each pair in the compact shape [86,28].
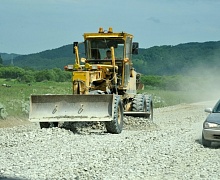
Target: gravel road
[167,148]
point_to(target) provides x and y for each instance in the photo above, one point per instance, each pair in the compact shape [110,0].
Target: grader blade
[55,108]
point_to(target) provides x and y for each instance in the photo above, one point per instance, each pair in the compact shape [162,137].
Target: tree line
[29,75]
[174,83]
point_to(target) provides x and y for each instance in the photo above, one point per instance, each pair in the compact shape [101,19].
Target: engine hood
[213,118]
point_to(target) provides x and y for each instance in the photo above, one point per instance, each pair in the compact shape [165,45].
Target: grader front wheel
[115,126]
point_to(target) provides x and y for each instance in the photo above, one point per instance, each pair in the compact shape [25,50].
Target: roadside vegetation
[15,95]
[28,75]
[17,84]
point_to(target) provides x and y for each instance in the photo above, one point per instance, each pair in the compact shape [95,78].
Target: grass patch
[15,99]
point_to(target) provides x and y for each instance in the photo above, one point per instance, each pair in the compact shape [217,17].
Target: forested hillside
[180,59]
[158,60]
[55,58]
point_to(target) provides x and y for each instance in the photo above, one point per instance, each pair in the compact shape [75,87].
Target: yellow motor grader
[104,89]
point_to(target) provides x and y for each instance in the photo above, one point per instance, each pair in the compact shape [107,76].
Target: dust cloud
[203,83]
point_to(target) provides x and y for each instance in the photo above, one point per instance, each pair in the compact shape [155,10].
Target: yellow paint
[81,76]
[110,33]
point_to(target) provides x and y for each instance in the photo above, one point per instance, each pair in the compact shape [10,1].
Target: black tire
[206,143]
[44,125]
[55,124]
[48,124]
[143,103]
[116,125]
[139,103]
[149,107]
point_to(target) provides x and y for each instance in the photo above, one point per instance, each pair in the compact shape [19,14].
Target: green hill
[179,59]
[48,59]
[157,60]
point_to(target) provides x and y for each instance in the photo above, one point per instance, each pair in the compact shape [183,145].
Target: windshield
[97,48]
[216,109]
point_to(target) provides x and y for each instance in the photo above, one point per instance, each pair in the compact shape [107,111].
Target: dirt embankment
[12,121]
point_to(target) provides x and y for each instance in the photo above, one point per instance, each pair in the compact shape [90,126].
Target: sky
[31,26]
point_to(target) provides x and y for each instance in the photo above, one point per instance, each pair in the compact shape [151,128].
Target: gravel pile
[167,148]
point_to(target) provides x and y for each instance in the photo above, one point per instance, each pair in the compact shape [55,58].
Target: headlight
[76,66]
[210,125]
[87,65]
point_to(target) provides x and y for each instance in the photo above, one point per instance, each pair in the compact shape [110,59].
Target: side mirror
[208,110]
[74,44]
[135,46]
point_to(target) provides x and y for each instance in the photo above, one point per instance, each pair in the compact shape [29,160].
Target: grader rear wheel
[139,103]
[149,107]
[143,103]
[115,126]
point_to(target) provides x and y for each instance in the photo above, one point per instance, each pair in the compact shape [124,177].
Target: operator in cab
[108,54]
